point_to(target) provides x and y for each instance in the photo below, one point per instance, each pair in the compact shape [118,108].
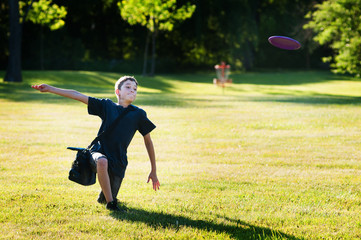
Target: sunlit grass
[272,156]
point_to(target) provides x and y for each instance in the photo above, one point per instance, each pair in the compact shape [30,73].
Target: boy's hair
[122,80]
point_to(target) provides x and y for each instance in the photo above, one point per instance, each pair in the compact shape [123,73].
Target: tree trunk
[248,56]
[13,72]
[145,63]
[154,35]
[41,47]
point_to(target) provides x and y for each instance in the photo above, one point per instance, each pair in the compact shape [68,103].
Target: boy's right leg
[100,165]
[103,178]
[115,183]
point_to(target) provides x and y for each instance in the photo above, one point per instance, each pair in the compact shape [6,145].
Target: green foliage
[45,13]
[96,37]
[155,14]
[338,23]
[237,32]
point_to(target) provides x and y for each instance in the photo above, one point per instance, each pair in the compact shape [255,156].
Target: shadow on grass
[237,230]
[23,92]
[285,78]
[268,78]
[99,84]
[29,95]
[92,83]
[105,80]
[310,100]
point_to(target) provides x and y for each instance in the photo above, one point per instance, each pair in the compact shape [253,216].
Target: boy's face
[127,92]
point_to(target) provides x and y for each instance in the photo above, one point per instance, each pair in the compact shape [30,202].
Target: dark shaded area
[312,100]
[96,38]
[100,84]
[237,229]
[286,78]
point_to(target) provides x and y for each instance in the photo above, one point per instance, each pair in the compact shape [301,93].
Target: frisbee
[284,42]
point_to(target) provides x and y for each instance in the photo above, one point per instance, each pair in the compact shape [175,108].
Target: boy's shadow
[238,230]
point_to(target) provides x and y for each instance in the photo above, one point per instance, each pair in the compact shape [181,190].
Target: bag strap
[111,127]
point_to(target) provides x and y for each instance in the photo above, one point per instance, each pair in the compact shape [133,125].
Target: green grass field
[273,156]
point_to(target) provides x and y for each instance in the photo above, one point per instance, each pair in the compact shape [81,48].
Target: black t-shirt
[114,145]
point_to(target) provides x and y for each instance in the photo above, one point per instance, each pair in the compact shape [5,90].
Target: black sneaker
[113,206]
[102,201]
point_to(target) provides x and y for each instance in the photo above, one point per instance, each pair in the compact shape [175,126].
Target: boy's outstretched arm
[153,173]
[62,92]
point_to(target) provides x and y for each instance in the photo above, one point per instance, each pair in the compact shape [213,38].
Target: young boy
[110,154]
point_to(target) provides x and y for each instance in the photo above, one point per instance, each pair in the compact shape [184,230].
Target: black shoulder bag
[81,171]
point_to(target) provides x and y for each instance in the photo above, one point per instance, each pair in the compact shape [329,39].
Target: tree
[338,23]
[156,15]
[13,73]
[236,32]
[46,14]
[43,12]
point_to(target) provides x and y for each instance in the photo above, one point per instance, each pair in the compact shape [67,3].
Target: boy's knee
[102,163]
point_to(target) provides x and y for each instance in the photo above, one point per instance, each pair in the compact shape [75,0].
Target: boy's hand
[41,87]
[155,181]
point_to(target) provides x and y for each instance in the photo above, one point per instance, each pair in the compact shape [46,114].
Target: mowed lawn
[275,155]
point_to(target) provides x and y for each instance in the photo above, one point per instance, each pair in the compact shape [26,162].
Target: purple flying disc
[284,42]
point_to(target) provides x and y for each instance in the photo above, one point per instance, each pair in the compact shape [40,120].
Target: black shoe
[102,201]
[113,206]
[101,198]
